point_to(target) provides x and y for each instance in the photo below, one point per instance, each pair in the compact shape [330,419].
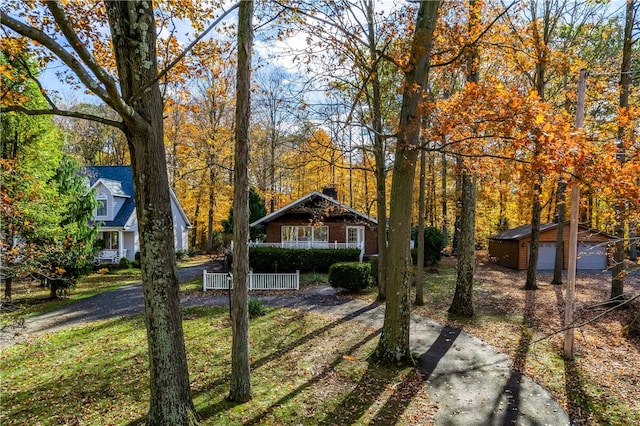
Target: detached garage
[511,248]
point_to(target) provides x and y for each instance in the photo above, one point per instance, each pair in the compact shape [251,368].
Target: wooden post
[573,236]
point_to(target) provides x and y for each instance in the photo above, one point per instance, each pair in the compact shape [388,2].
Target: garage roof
[525,230]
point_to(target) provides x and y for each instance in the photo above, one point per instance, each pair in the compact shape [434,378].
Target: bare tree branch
[64,113]
[78,46]
[600,315]
[74,64]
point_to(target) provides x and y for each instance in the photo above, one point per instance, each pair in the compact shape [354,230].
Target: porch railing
[260,281]
[307,245]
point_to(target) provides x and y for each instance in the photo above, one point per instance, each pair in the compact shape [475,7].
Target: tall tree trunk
[134,43]
[561,207]
[379,150]
[445,222]
[393,346]
[420,234]
[210,212]
[617,271]
[462,303]
[240,362]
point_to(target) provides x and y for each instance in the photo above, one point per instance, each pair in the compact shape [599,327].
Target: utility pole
[573,234]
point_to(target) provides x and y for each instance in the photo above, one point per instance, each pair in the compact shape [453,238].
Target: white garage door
[546,256]
[592,256]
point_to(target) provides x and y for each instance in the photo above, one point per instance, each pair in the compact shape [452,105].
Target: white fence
[224,280]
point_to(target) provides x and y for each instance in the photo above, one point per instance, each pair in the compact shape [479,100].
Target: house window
[305,233]
[111,239]
[355,236]
[101,211]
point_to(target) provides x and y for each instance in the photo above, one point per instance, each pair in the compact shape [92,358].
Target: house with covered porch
[116,214]
[318,220]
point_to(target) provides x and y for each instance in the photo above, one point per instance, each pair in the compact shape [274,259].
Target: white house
[116,213]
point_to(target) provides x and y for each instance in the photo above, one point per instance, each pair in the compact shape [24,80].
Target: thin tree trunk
[445,222]
[617,271]
[393,347]
[379,154]
[7,287]
[534,245]
[240,362]
[419,301]
[561,206]
[134,42]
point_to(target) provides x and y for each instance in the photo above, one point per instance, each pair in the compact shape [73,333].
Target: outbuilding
[511,248]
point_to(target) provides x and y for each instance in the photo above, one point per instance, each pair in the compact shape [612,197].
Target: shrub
[181,254]
[351,276]
[124,263]
[256,308]
[275,259]
[434,243]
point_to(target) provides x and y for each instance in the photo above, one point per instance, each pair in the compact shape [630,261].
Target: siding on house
[335,215]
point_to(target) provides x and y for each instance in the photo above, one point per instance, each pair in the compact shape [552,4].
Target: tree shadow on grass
[372,384]
[390,413]
[220,406]
[324,373]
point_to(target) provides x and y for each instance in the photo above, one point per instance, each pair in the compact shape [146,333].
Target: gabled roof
[118,180]
[520,232]
[307,198]
[525,230]
[114,187]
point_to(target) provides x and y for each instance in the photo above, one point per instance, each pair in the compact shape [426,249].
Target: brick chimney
[330,191]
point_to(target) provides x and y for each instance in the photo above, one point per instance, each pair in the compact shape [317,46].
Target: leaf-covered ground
[601,385]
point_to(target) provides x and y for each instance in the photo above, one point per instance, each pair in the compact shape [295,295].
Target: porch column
[120,244]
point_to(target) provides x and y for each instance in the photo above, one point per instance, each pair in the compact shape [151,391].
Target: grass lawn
[309,370]
[306,369]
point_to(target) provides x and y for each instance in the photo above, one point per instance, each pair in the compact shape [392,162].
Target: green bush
[181,254]
[434,243]
[276,259]
[351,276]
[124,263]
[256,308]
